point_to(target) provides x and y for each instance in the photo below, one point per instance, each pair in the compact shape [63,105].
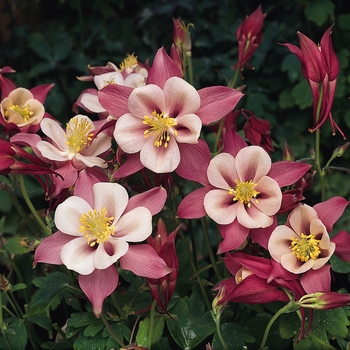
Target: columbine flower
[21,109]
[242,193]
[160,120]
[304,245]
[249,36]
[324,301]
[94,233]
[320,66]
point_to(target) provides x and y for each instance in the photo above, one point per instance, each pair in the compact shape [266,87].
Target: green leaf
[286,99]
[318,11]
[40,68]
[42,321]
[334,321]
[120,330]
[40,46]
[96,342]
[344,21]
[191,323]
[93,328]
[49,288]
[16,245]
[234,336]
[339,265]
[302,94]
[143,331]
[79,320]
[289,325]
[18,286]
[291,65]
[16,334]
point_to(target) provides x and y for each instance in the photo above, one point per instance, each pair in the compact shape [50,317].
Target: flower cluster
[126,157]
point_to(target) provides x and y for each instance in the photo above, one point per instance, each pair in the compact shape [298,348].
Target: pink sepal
[98,286]
[342,244]
[317,280]
[143,261]
[49,250]
[233,235]
[40,92]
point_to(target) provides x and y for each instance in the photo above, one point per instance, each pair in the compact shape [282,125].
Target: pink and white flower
[94,233]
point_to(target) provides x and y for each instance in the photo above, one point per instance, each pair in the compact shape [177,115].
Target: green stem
[233,81]
[151,324]
[218,330]
[273,319]
[210,250]
[30,205]
[189,67]
[117,306]
[206,300]
[110,330]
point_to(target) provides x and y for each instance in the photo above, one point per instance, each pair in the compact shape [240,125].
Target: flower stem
[206,300]
[218,330]
[30,205]
[151,324]
[110,330]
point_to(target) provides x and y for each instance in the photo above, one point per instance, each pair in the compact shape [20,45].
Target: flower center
[78,134]
[129,62]
[306,247]
[244,192]
[23,111]
[159,124]
[96,226]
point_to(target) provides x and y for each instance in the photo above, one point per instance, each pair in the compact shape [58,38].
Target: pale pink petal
[160,159]
[216,102]
[188,129]
[54,131]
[134,226]
[78,256]
[234,235]
[194,161]
[319,231]
[301,217]
[135,80]
[252,163]
[287,172]
[222,171]
[153,199]
[109,252]
[143,261]
[100,144]
[50,152]
[111,196]
[252,217]
[220,207]
[68,213]
[49,250]
[292,264]
[81,161]
[180,98]
[162,69]
[280,241]
[192,207]
[331,210]
[326,255]
[91,102]
[129,133]
[146,99]
[317,280]
[270,198]
[98,286]
[105,79]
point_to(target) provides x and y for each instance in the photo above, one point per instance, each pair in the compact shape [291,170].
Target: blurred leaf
[291,65]
[18,286]
[40,46]
[286,99]
[302,94]
[191,323]
[319,10]
[344,21]
[49,288]
[40,68]
[143,331]
[235,337]
[16,334]
[339,265]
[17,245]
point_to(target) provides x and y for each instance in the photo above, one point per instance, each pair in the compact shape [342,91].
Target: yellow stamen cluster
[78,134]
[306,247]
[23,111]
[129,62]
[96,226]
[160,125]
[244,192]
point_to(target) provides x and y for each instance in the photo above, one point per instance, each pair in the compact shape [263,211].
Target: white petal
[109,252]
